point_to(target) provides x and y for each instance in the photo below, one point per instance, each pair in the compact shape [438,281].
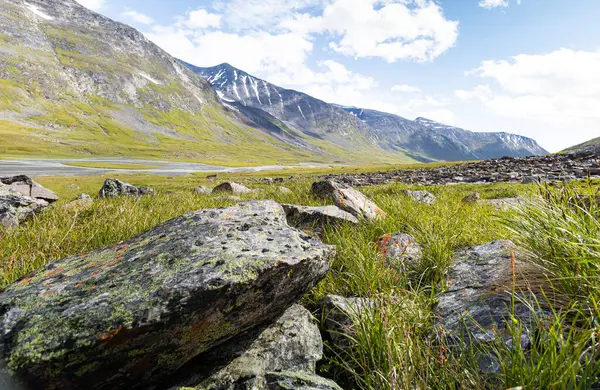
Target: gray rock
[480,291]
[80,203]
[16,207]
[73,187]
[532,180]
[401,251]
[307,217]
[285,190]
[202,190]
[83,196]
[134,313]
[233,188]
[472,198]
[505,203]
[424,197]
[293,343]
[348,199]
[340,315]
[298,381]
[24,185]
[113,188]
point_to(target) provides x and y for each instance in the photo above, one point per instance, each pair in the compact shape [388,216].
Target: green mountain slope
[591,145]
[75,83]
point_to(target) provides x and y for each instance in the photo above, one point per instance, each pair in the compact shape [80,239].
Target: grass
[396,344]
[106,165]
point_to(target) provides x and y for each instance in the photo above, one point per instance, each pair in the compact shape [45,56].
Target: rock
[532,180]
[505,203]
[24,185]
[479,291]
[293,343]
[297,381]
[211,177]
[73,187]
[80,203]
[16,207]
[133,313]
[423,197]
[202,190]
[308,217]
[340,314]
[348,199]
[401,251]
[232,188]
[113,188]
[472,198]
[285,190]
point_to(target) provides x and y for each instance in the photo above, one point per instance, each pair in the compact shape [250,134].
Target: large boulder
[307,217]
[26,186]
[233,188]
[297,381]
[113,188]
[128,315]
[293,344]
[340,315]
[400,251]
[16,207]
[348,199]
[478,300]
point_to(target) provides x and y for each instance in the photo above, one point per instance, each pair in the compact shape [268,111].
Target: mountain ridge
[421,139]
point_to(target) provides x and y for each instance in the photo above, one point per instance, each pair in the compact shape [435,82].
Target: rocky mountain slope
[592,145]
[426,138]
[421,139]
[294,113]
[75,83]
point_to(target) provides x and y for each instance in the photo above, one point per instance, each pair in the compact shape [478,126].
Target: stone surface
[340,313]
[26,186]
[285,190]
[423,197]
[293,343]
[472,198]
[113,188]
[297,381]
[505,203]
[480,290]
[202,190]
[348,199]
[82,202]
[400,251]
[128,315]
[507,169]
[16,207]
[233,188]
[307,217]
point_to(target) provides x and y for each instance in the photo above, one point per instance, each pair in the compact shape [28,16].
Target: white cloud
[480,92]
[92,4]
[489,4]
[244,14]
[553,93]
[137,16]
[391,30]
[404,88]
[201,18]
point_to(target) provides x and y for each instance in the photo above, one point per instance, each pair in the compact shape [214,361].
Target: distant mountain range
[74,83]
[421,139]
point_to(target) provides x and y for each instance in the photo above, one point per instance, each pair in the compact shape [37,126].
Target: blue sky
[530,67]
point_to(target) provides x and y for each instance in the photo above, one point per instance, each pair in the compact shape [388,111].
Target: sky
[530,67]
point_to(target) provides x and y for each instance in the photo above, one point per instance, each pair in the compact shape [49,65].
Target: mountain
[74,83]
[301,115]
[427,139]
[422,139]
[592,145]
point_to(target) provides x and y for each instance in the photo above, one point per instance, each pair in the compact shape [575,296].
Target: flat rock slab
[202,190]
[26,186]
[293,343]
[401,251]
[348,199]
[233,188]
[113,188]
[130,314]
[16,207]
[298,381]
[505,203]
[307,217]
[423,197]
[480,290]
